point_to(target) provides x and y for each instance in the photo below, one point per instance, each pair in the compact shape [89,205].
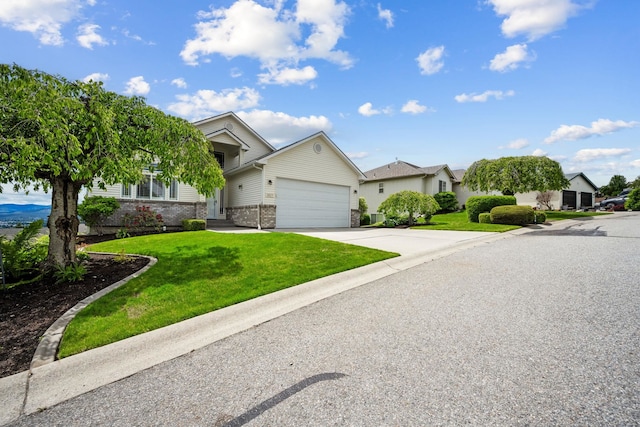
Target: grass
[199,272]
[458,221]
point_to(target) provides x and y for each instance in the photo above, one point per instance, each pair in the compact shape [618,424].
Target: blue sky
[427,82]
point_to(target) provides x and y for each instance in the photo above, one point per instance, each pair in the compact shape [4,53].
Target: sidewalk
[53,383]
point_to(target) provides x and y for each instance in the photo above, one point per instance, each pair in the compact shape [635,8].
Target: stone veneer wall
[247,216]
[172,212]
[355,218]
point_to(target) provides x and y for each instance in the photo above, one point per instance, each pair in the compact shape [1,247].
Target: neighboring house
[579,195]
[394,177]
[310,183]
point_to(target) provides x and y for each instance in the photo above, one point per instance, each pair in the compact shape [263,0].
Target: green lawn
[199,272]
[458,221]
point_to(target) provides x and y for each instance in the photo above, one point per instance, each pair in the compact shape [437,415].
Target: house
[310,183]
[394,177]
[579,195]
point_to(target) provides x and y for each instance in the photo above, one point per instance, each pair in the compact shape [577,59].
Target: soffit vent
[228,126]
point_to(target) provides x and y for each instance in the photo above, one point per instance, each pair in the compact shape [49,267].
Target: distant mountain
[23,213]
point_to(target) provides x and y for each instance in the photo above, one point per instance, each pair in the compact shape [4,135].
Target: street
[541,328]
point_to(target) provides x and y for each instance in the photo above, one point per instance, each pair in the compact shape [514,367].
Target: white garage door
[302,204]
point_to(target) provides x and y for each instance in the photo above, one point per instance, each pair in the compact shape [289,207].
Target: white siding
[251,191]
[370,190]
[577,184]
[303,163]
[463,193]
[257,148]
[186,193]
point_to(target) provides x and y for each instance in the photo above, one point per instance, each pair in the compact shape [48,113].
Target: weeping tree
[511,175]
[411,203]
[62,135]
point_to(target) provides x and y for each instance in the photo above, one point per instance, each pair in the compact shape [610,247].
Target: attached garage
[569,199]
[586,200]
[304,204]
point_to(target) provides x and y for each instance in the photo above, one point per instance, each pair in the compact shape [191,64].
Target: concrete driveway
[404,241]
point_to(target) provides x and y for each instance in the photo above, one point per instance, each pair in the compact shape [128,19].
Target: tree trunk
[63,222]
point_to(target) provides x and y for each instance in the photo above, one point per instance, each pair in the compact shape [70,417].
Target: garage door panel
[311,204]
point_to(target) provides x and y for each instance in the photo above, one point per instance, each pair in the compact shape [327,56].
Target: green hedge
[447,200]
[541,217]
[512,215]
[365,219]
[194,224]
[479,204]
[484,218]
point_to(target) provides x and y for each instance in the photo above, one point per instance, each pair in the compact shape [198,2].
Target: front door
[215,205]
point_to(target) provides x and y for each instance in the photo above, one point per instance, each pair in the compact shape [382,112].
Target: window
[173,189]
[126,191]
[143,189]
[157,189]
[219,158]
[381,188]
[442,186]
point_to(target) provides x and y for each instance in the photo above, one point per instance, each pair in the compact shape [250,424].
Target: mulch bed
[27,311]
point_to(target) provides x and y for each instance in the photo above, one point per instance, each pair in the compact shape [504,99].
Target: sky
[427,82]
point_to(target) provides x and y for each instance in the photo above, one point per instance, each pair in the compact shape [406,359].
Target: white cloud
[88,36]
[96,77]
[413,107]
[367,110]
[511,58]
[280,128]
[43,18]
[386,15]
[516,144]
[137,86]
[287,76]
[635,163]
[179,82]
[483,97]
[22,198]
[599,127]
[206,103]
[357,155]
[273,35]
[539,153]
[533,18]
[430,61]
[589,154]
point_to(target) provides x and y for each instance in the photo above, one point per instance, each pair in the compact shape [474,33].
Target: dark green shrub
[363,207]
[541,217]
[94,210]
[22,256]
[484,218]
[512,215]
[633,200]
[194,224]
[447,201]
[365,219]
[479,204]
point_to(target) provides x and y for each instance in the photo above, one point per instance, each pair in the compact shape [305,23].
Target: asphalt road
[538,329]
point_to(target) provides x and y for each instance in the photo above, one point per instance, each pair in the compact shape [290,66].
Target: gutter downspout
[261,194]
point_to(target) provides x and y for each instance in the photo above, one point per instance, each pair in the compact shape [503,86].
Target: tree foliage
[63,135]
[633,200]
[412,203]
[511,175]
[617,183]
[94,210]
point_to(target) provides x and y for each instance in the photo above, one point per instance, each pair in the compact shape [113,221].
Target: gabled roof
[400,169]
[572,176]
[233,136]
[264,159]
[232,114]
[459,173]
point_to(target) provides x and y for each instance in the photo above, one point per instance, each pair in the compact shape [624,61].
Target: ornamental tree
[408,202]
[63,135]
[511,175]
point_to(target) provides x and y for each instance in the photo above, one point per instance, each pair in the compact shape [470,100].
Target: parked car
[616,203]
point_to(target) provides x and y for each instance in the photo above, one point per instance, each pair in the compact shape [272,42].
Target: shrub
[541,217]
[94,210]
[479,204]
[143,219]
[362,207]
[633,200]
[194,224]
[409,203]
[70,273]
[22,256]
[484,218]
[447,201]
[365,219]
[512,215]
